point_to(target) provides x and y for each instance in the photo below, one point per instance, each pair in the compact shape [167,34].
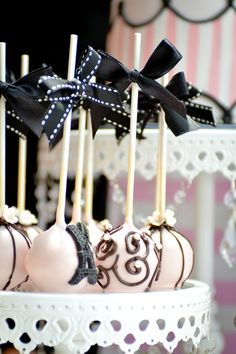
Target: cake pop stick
[76,211]
[160,201]
[132,141]
[22,158]
[2,127]
[26,218]
[95,228]
[60,213]
[60,259]
[88,207]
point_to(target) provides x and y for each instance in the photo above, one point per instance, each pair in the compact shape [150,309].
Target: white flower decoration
[105,225]
[170,217]
[8,214]
[156,219]
[26,218]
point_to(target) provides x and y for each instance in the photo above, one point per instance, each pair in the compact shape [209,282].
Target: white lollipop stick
[76,211]
[60,214]
[2,127]
[132,142]
[160,197]
[88,211]
[22,157]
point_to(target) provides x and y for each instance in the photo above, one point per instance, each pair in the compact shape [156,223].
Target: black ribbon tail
[97,115]
[53,121]
[177,123]
[15,124]
[200,113]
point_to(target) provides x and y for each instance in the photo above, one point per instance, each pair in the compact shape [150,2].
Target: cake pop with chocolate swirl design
[126,258]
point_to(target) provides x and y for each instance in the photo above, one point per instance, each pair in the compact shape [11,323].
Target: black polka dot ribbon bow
[161,61]
[64,95]
[23,110]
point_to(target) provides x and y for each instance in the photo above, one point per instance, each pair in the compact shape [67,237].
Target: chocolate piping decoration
[114,268]
[158,253]
[193,255]
[134,242]
[153,228]
[115,229]
[17,227]
[107,247]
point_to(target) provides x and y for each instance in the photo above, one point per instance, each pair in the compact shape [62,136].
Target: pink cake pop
[125,257]
[175,253]
[59,259]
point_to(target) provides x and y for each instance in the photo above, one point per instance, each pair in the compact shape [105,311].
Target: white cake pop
[14,246]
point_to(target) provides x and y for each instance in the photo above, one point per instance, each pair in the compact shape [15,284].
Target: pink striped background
[209,62]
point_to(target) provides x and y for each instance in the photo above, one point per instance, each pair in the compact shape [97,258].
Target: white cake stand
[73,323]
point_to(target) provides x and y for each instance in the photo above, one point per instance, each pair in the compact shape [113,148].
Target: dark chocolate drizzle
[86,264]
[108,248]
[17,227]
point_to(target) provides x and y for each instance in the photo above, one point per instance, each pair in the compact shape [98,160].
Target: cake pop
[59,260]
[125,257]
[176,253]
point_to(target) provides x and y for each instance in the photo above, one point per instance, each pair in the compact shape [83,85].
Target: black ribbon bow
[149,107]
[24,109]
[64,95]
[161,61]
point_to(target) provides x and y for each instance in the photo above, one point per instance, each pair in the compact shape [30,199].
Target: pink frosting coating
[125,263]
[52,261]
[94,232]
[176,260]
[7,257]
